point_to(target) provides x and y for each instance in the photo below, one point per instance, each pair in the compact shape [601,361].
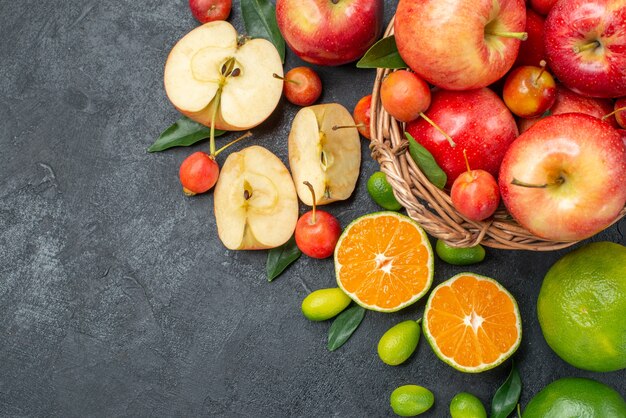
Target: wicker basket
[432,207]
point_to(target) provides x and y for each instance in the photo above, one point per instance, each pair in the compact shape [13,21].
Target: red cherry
[475,194]
[404,95]
[317,232]
[620,112]
[210,10]
[302,86]
[362,116]
[529,91]
[198,173]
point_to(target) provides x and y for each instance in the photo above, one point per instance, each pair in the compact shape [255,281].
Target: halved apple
[256,206]
[325,150]
[212,74]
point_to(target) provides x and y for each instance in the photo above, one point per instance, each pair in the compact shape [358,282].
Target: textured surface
[117,298]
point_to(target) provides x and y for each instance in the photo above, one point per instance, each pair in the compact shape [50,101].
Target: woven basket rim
[430,206]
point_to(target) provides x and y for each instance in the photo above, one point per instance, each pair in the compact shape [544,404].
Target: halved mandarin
[384,261]
[472,322]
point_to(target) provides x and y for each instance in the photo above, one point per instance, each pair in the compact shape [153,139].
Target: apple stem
[585,47]
[613,112]
[358,125]
[469,170]
[218,97]
[434,125]
[286,79]
[542,64]
[310,186]
[522,36]
[244,136]
[559,180]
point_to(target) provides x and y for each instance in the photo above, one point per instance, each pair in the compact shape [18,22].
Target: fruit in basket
[568,101]
[576,397]
[542,6]
[362,115]
[381,191]
[411,400]
[399,342]
[324,304]
[384,261]
[563,179]
[582,306]
[212,75]
[209,10]
[459,44]
[585,44]
[404,95]
[302,86]
[475,194]
[256,205]
[478,122]
[472,322]
[532,51]
[329,32]
[529,91]
[324,155]
[620,112]
[317,232]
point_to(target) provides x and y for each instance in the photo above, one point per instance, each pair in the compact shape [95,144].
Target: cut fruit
[256,206]
[384,261]
[327,158]
[210,73]
[472,323]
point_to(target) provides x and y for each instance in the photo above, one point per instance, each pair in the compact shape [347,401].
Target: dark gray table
[116,296]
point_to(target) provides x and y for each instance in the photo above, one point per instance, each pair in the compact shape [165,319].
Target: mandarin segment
[472,322]
[384,261]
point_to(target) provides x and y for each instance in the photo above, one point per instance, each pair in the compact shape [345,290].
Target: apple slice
[324,154]
[256,206]
[212,74]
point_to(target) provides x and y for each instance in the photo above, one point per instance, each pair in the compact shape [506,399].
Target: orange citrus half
[384,261]
[472,322]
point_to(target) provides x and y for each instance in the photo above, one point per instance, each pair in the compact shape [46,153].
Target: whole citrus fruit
[381,191]
[399,342]
[582,306]
[411,400]
[576,397]
[466,405]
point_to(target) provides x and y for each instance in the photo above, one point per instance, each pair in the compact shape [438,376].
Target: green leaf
[182,133]
[383,54]
[259,18]
[344,326]
[507,395]
[279,258]
[426,162]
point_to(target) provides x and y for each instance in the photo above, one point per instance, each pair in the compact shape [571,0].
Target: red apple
[475,194]
[564,178]
[586,46]
[209,10]
[532,51]
[362,115]
[404,95]
[542,6]
[477,120]
[529,91]
[459,44]
[569,102]
[331,32]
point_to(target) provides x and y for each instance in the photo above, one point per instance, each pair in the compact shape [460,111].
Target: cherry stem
[434,125]
[307,184]
[285,79]
[542,64]
[559,180]
[613,112]
[522,36]
[469,170]
[585,47]
[244,136]
[358,125]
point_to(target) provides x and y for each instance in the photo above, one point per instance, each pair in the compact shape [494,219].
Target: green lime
[411,400]
[582,306]
[576,397]
[399,342]
[324,304]
[466,405]
[460,256]
[382,192]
